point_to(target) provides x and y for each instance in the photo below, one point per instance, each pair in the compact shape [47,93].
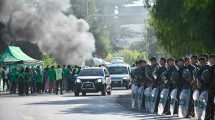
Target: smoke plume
[45,23]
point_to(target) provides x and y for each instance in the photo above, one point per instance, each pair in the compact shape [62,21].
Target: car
[93,80]
[120,75]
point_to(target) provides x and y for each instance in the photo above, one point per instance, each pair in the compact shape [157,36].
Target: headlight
[125,78]
[78,81]
[99,80]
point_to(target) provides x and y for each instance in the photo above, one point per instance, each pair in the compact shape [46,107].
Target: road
[68,107]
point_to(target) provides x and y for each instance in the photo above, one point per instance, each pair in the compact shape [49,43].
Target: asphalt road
[68,107]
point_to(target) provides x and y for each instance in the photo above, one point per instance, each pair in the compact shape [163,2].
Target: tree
[130,56]
[184,26]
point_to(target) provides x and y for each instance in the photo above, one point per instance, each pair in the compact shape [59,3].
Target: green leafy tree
[49,60]
[130,56]
[184,26]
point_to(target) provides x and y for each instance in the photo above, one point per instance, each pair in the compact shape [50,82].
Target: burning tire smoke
[44,22]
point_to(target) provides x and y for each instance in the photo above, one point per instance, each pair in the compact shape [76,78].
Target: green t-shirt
[39,77]
[66,72]
[51,74]
[14,75]
[59,73]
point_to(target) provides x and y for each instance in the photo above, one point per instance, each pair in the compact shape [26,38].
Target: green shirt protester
[66,72]
[59,73]
[51,74]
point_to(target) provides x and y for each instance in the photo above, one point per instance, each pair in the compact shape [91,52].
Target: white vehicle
[120,75]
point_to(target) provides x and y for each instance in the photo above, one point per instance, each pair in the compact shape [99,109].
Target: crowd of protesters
[30,80]
[193,73]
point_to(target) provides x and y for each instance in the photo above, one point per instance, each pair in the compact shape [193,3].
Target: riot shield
[173,101]
[184,103]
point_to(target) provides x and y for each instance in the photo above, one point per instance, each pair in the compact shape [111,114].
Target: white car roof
[118,65]
[92,68]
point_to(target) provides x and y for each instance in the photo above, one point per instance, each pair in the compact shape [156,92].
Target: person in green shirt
[66,74]
[39,79]
[27,80]
[13,74]
[21,81]
[59,79]
[51,79]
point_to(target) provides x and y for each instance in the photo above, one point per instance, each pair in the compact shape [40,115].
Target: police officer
[139,72]
[182,83]
[151,71]
[189,72]
[172,74]
[194,61]
[161,73]
[203,74]
[188,76]
[211,92]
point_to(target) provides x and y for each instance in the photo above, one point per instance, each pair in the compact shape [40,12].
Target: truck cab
[120,75]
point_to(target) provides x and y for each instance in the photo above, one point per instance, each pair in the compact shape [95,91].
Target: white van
[120,75]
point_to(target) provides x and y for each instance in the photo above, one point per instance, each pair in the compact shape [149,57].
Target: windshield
[91,72]
[118,70]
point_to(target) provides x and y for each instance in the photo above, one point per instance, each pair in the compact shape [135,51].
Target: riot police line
[183,87]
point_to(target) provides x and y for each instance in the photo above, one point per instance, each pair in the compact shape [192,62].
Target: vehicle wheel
[109,93]
[84,93]
[76,93]
[128,87]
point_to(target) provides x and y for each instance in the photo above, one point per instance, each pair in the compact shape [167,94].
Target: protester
[13,79]
[45,79]
[27,80]
[39,80]
[66,74]
[21,81]
[59,79]
[4,75]
[51,78]
[33,79]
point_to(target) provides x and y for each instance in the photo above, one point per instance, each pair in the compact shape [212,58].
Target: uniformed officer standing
[182,83]
[188,76]
[203,75]
[211,106]
[161,73]
[150,73]
[138,73]
[172,74]
[194,61]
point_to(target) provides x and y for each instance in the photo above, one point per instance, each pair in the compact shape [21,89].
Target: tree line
[184,27]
